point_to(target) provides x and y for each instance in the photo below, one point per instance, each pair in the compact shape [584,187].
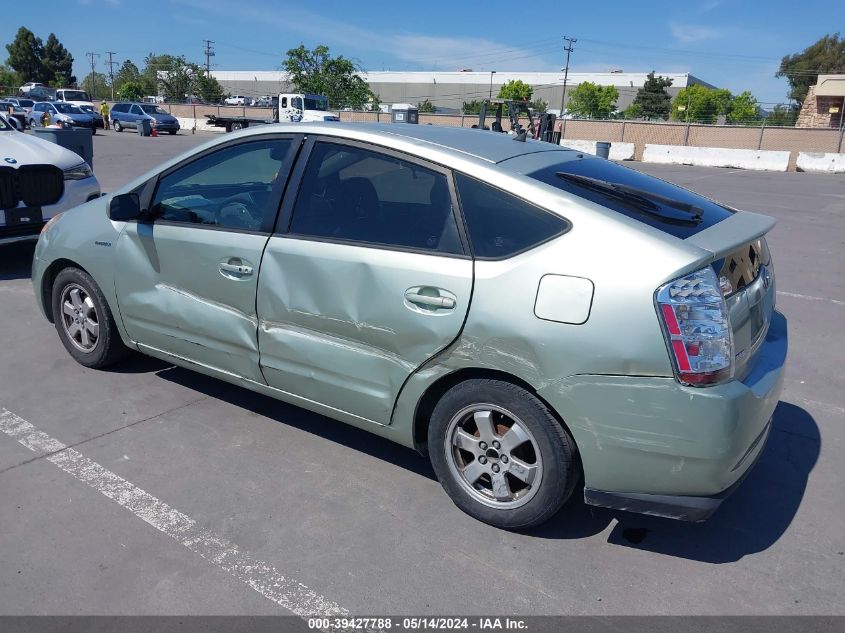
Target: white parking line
[811,298]
[261,576]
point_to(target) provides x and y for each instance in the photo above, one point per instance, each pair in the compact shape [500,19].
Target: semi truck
[287,108]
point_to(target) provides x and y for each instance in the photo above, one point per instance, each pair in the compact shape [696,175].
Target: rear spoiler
[733,232]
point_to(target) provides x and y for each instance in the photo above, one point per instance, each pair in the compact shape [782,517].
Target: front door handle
[235,270]
[439,302]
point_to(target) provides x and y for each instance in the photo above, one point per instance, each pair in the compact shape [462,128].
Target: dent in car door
[186,283]
[357,298]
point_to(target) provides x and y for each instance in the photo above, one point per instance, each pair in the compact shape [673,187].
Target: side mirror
[126,206]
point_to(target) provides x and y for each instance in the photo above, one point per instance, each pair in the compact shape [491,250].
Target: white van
[74,97]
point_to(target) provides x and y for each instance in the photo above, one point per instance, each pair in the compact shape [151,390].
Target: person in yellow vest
[104,112]
[46,119]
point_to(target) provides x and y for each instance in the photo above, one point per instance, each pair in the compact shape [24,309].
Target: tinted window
[230,188]
[501,225]
[354,194]
[662,205]
[136,110]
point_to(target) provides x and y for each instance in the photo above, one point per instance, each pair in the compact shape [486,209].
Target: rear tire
[84,320]
[117,126]
[500,454]
[236,125]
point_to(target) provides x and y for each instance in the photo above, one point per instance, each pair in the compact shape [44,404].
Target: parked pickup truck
[291,108]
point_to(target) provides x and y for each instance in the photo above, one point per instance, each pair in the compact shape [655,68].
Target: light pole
[568,49]
[490,94]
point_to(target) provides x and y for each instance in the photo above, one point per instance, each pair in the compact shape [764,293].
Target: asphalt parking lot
[361,523]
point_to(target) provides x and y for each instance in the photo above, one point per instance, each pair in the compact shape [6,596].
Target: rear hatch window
[644,198]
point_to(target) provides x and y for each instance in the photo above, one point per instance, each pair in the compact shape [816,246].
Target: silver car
[536,320]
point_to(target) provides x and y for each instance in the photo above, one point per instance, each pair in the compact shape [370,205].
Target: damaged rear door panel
[371,279]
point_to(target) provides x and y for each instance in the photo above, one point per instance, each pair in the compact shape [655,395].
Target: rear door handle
[428,301]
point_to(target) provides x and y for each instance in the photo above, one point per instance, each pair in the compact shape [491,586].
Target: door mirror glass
[124,207]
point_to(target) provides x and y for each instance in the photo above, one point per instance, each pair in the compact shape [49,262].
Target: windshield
[26,103]
[153,109]
[5,105]
[311,103]
[5,127]
[76,95]
[66,108]
[652,201]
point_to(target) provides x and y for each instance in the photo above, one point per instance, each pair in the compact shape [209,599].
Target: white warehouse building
[448,90]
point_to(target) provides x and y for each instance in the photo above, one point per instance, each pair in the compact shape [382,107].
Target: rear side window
[501,225]
[349,193]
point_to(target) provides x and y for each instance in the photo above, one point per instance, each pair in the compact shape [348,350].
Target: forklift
[543,129]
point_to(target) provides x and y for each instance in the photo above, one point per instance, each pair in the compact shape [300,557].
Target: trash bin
[603,149]
[78,140]
[144,127]
[403,113]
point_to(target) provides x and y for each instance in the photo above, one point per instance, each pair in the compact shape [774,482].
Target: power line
[568,49]
[209,53]
[93,57]
[111,64]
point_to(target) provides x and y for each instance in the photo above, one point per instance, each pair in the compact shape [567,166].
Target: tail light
[697,327]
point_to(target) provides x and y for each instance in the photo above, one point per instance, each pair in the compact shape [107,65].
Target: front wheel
[84,321]
[171,132]
[500,454]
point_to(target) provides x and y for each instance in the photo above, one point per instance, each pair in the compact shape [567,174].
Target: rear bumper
[680,507]
[652,445]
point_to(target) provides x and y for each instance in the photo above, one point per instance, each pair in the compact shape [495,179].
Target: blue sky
[732,44]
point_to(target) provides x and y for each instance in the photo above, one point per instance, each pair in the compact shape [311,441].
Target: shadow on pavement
[16,261]
[749,521]
[303,419]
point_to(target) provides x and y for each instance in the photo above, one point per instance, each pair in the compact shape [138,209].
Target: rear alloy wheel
[84,321]
[500,454]
[117,126]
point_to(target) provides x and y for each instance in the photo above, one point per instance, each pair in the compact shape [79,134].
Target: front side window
[231,188]
[501,225]
[349,193]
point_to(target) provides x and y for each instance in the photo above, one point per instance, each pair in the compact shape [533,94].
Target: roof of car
[488,146]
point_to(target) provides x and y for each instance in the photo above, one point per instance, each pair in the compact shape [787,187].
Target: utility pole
[490,95]
[111,65]
[568,49]
[209,53]
[93,57]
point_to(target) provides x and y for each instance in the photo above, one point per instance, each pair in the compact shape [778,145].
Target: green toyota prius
[533,319]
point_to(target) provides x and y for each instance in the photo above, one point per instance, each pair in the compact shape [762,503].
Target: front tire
[500,454]
[84,320]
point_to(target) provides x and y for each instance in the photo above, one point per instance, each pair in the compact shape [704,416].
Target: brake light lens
[697,328]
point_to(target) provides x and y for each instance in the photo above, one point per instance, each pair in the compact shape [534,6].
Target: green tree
[782,115]
[652,99]
[152,65]
[426,107]
[538,105]
[697,103]
[208,88]
[58,62]
[374,102]
[744,109]
[633,111]
[26,55]
[317,72]
[471,107]
[592,101]
[127,72]
[176,76]
[516,90]
[131,91]
[826,56]
[9,80]
[96,84]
